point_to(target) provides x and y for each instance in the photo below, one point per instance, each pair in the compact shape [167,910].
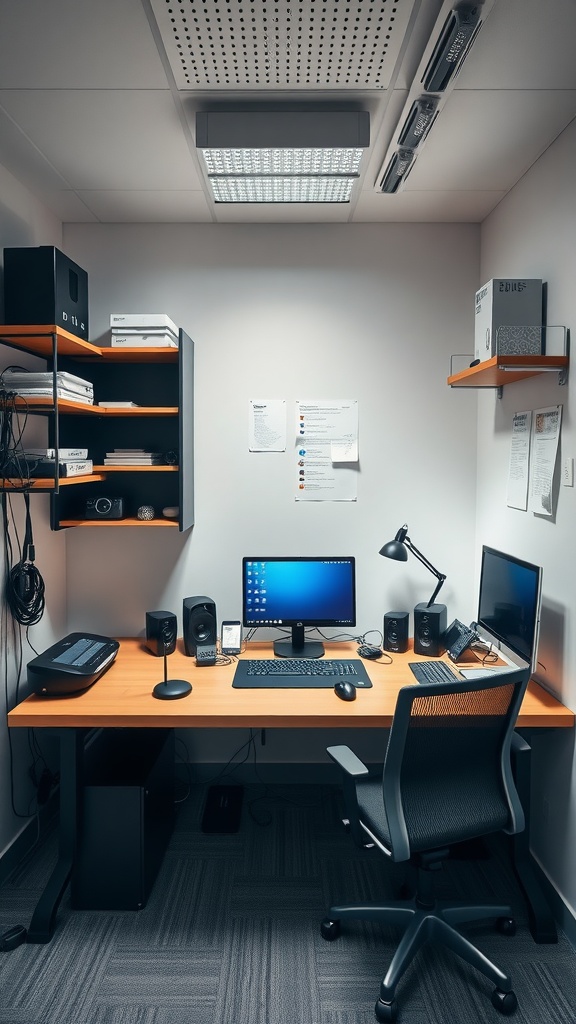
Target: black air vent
[397,171]
[420,119]
[457,35]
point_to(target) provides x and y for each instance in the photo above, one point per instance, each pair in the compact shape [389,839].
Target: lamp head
[396,548]
[399,548]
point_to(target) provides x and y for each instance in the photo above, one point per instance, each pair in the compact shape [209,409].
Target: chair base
[436,923]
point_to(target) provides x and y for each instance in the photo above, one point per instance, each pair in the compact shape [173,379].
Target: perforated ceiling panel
[249,44]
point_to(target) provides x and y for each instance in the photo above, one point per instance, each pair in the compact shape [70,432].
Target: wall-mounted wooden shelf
[501,370]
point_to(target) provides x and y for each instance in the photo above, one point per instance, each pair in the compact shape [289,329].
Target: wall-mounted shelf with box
[159,381]
[504,369]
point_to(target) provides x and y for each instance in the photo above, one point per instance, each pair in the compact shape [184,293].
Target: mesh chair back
[447,774]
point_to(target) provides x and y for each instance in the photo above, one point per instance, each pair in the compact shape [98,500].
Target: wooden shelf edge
[38,337]
[500,370]
[67,406]
[132,521]
[136,469]
[48,483]
[139,354]
[141,410]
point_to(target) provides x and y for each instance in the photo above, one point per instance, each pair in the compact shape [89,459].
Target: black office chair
[447,778]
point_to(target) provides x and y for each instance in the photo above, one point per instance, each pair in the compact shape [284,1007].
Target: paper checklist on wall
[519,461]
[543,452]
[267,425]
[327,450]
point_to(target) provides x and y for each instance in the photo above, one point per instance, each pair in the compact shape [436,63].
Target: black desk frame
[43,923]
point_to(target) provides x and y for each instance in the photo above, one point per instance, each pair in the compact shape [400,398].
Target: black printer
[71,664]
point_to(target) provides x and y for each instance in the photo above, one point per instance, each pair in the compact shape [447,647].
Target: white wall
[531,233]
[24,221]
[366,312]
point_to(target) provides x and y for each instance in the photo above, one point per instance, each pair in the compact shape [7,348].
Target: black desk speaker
[199,623]
[429,625]
[161,632]
[396,626]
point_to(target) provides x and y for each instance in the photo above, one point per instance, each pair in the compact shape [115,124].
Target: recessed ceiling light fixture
[296,156]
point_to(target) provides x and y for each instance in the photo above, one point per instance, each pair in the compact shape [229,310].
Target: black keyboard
[433,672]
[299,672]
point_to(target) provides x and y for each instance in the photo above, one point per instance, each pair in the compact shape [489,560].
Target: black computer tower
[126,820]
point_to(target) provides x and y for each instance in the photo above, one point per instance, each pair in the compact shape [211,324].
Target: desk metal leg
[541,921]
[44,917]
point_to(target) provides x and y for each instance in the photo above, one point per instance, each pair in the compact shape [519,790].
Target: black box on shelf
[127,817]
[43,286]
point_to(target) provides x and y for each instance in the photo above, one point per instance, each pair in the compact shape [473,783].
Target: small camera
[104,508]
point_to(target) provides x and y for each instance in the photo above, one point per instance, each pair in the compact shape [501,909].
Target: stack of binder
[42,462]
[142,330]
[28,384]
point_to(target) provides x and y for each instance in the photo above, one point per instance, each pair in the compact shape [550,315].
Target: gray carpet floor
[230,934]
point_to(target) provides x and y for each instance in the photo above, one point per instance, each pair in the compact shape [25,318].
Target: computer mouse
[345,690]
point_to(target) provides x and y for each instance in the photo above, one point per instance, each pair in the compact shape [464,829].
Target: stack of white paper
[142,330]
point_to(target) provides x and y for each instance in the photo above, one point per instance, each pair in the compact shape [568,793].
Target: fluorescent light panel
[281,189]
[282,156]
[282,161]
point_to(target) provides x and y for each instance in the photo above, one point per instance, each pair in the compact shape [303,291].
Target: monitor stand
[298,647]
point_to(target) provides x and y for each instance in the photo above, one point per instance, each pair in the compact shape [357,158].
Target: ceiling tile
[283,213]
[68,206]
[524,44]
[428,207]
[78,44]
[146,207]
[108,139]
[488,139]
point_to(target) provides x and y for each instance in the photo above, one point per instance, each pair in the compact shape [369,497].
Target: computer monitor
[509,603]
[299,593]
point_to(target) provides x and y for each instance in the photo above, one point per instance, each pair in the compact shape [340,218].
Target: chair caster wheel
[505,1002]
[386,1012]
[329,930]
[506,925]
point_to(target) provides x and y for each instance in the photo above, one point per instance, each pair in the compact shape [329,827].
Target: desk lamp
[430,619]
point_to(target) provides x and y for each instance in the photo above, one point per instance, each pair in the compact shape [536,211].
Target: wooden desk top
[122,697]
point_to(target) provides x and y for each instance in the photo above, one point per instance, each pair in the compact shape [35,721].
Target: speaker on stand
[429,626]
[396,626]
[199,623]
[169,689]
[159,627]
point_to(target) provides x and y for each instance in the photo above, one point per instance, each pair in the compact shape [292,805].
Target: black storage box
[43,286]
[126,818]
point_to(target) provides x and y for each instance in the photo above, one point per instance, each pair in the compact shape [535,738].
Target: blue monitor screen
[306,591]
[509,602]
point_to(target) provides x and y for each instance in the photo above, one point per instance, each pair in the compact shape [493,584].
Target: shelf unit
[160,381]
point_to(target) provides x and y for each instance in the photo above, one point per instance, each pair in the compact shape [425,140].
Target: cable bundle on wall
[24,586]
